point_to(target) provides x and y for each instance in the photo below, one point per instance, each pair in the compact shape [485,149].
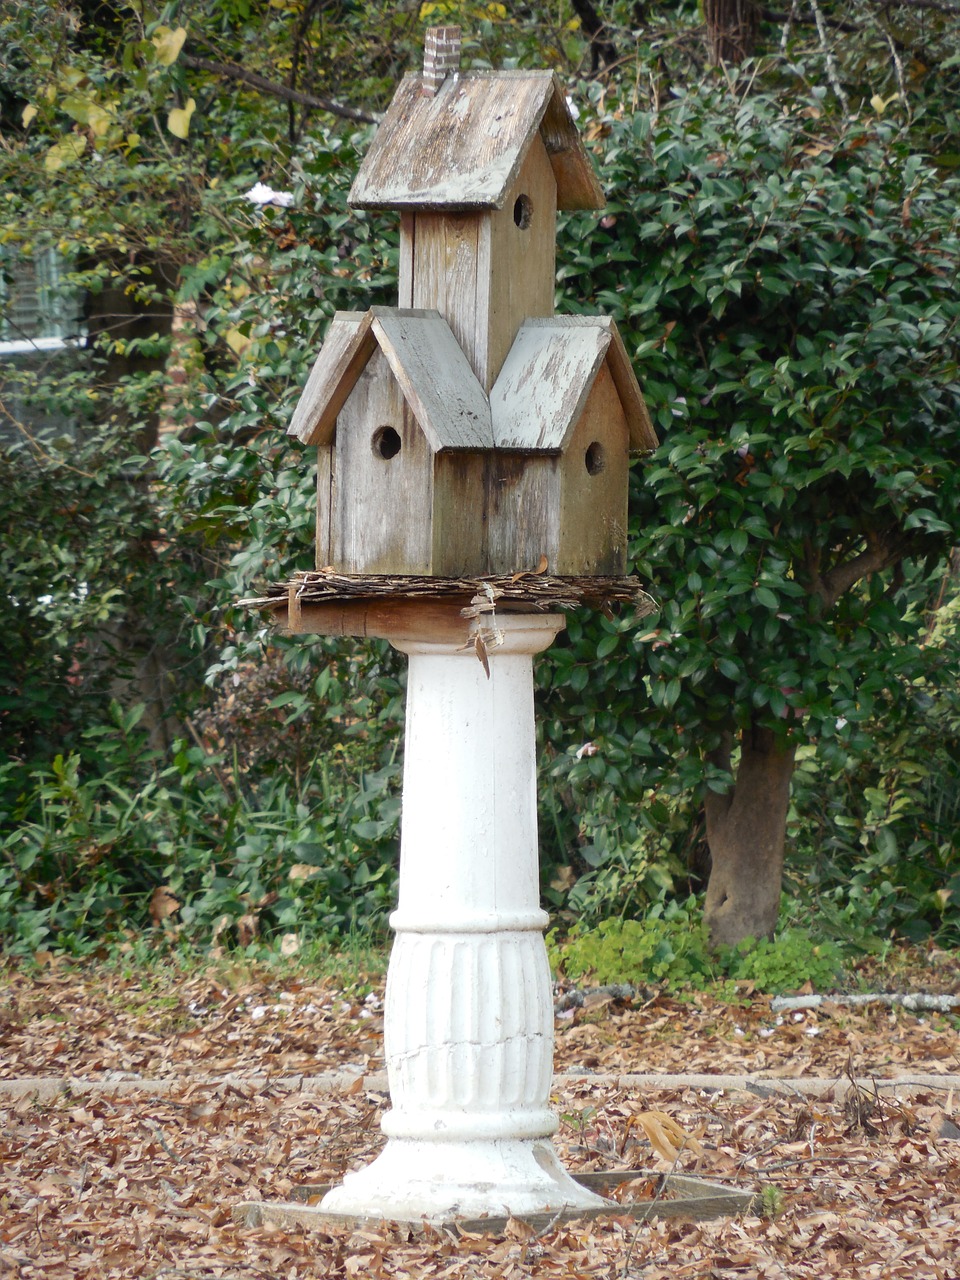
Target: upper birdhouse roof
[462,145]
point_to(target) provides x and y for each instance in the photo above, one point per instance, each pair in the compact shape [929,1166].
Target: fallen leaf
[162,904]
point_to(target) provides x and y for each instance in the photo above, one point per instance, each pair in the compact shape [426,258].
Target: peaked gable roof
[344,354]
[543,386]
[434,376]
[463,147]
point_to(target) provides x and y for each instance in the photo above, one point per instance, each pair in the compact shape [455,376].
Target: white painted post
[469,1009]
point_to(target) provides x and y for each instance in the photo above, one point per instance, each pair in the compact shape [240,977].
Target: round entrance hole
[523,212]
[386,442]
[594,459]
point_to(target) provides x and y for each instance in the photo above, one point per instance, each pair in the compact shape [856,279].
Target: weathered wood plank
[437,382]
[577,184]
[346,349]
[494,513]
[642,434]
[443,267]
[544,383]
[383,619]
[383,494]
[592,506]
[517,264]
[323,548]
[408,245]
[463,147]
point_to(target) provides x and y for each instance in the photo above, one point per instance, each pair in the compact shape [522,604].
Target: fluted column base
[412,1180]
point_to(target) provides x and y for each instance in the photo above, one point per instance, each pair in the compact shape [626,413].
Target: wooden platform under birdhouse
[385,606]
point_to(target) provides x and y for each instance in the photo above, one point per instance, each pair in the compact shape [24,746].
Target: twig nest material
[536,591]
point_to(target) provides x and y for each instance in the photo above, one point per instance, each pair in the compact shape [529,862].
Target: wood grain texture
[435,378]
[642,434]
[382,508]
[523,523]
[463,147]
[544,383]
[573,171]
[408,226]
[517,270]
[592,506]
[483,272]
[494,513]
[384,619]
[345,351]
[323,547]
[444,255]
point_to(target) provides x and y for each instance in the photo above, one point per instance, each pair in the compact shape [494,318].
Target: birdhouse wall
[382,490]
[495,512]
[486,271]
[324,539]
[592,511]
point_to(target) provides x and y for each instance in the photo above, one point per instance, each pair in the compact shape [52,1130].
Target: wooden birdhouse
[470,431]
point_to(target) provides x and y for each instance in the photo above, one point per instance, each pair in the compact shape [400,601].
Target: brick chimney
[441,56]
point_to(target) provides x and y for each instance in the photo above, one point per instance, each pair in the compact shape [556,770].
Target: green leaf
[766,597]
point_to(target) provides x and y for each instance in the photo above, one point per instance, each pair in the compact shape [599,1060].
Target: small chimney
[441,56]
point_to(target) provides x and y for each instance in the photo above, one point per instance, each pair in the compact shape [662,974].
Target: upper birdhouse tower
[477,163]
[469,431]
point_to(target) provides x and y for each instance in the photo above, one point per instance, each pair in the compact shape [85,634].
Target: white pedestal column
[469,1009]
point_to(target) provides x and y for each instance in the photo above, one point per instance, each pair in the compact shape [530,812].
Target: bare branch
[879,554]
[231,71]
[828,58]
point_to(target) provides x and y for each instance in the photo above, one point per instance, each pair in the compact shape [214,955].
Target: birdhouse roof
[425,358]
[543,386]
[463,147]
[534,405]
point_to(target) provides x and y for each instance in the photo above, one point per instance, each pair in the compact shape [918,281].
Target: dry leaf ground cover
[97,1182]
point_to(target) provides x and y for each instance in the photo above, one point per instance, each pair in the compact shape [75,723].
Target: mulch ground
[99,1183]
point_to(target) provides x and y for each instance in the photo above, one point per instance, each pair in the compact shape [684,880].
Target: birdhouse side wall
[594,481]
[518,258]
[382,482]
[486,271]
[495,512]
[324,541]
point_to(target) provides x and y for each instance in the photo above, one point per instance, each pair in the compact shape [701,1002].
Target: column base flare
[415,1181]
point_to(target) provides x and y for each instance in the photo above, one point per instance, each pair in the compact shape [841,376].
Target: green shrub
[92,839]
[668,947]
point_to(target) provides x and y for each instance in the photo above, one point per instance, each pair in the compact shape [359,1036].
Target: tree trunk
[746,830]
[731,29]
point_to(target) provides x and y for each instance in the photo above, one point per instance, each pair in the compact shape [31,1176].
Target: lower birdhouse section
[564,513]
[459,513]
[419,472]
